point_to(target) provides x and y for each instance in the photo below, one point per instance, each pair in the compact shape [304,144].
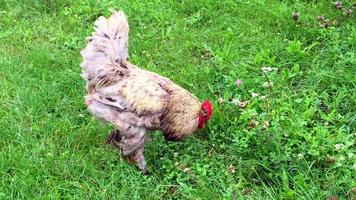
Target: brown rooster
[132,99]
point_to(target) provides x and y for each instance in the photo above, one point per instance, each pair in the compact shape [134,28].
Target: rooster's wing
[140,92]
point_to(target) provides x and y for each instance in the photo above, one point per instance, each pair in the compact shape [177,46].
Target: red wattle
[201,122]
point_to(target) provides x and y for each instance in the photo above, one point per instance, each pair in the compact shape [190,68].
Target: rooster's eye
[203,113]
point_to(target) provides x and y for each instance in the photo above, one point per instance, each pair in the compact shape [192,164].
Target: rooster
[132,99]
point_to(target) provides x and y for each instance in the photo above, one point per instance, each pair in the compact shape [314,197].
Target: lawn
[283,91]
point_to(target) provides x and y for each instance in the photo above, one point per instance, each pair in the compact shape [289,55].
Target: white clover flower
[321,18]
[221,100]
[235,101]
[350,155]
[254,94]
[338,5]
[266,70]
[300,156]
[231,169]
[337,147]
[253,124]
[186,169]
[267,84]
[263,97]
[265,124]
[243,104]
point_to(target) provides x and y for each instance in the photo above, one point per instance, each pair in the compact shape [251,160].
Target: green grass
[52,148]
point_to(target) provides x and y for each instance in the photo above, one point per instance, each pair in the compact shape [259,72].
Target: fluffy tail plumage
[107,48]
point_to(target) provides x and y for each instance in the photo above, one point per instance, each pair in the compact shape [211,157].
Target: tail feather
[107,47]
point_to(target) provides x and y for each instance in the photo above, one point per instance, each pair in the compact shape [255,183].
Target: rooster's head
[205,113]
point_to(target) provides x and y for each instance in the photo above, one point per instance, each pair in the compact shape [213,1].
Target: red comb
[208,107]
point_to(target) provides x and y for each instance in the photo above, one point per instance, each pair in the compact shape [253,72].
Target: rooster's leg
[130,139]
[131,143]
[140,159]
